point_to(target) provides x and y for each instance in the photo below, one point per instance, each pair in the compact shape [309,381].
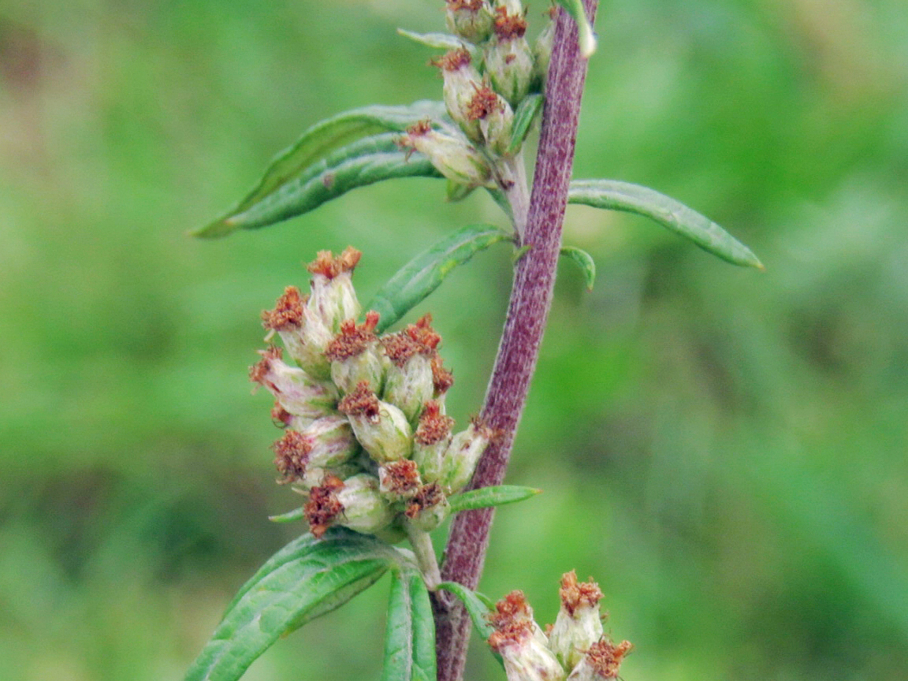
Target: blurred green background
[725,451]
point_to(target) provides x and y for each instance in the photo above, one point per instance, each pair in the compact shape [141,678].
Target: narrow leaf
[478,606]
[586,262]
[524,116]
[438,41]
[673,215]
[424,273]
[288,517]
[410,635]
[455,191]
[485,497]
[307,578]
[586,36]
[321,140]
[364,162]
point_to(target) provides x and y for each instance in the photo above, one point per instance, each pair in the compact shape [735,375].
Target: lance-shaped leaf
[361,163]
[477,605]
[437,41]
[410,634]
[288,517]
[585,34]
[485,497]
[307,578]
[526,113]
[677,217]
[424,273]
[586,262]
[318,142]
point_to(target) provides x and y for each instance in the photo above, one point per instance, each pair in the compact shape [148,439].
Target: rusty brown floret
[323,505]
[259,371]
[361,401]
[287,312]
[428,496]
[291,454]
[484,103]
[605,657]
[509,26]
[452,60]
[400,348]
[402,477]
[352,339]
[574,594]
[433,425]
[422,332]
[442,378]
[512,620]
[328,266]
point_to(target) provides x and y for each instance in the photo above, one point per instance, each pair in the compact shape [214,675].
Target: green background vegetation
[724,450]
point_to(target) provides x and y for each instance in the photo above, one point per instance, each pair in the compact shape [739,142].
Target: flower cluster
[485,80]
[366,438]
[574,648]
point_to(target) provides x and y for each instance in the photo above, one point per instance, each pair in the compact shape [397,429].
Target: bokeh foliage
[725,451]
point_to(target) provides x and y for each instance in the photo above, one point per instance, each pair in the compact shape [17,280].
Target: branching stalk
[534,279]
[421,543]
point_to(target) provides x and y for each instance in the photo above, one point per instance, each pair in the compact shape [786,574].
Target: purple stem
[531,297]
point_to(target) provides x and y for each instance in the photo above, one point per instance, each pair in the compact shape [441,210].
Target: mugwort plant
[365,439]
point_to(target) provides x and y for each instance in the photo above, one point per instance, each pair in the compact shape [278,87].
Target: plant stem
[425,555]
[531,296]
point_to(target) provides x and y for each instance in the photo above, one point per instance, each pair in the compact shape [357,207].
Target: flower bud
[579,624]
[381,428]
[409,380]
[494,117]
[399,480]
[463,454]
[333,296]
[325,444]
[354,503]
[460,82]
[303,333]
[452,156]
[602,661]
[508,59]
[356,355]
[520,642]
[298,394]
[429,507]
[431,441]
[469,19]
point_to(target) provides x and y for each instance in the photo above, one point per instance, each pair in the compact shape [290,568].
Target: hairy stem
[534,279]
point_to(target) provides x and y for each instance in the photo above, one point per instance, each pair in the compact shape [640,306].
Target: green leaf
[438,41]
[586,262]
[524,116]
[455,191]
[478,606]
[364,162]
[307,578]
[586,36]
[410,635]
[677,217]
[316,144]
[288,517]
[485,497]
[424,273]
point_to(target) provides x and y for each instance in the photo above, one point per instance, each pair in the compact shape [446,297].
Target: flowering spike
[452,156]
[602,661]
[469,19]
[431,440]
[520,642]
